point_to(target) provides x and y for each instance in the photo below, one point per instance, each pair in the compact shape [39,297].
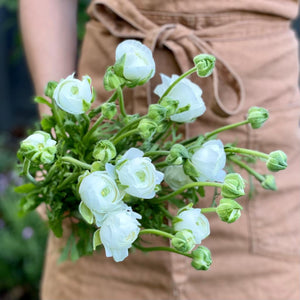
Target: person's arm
[49,31]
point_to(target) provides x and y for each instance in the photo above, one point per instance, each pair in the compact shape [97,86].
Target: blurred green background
[22,240]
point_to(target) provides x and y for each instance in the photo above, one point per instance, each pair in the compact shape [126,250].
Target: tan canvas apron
[258,256]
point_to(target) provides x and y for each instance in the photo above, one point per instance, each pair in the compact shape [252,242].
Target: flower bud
[184,241]
[108,110]
[104,151]
[233,186]
[175,177]
[205,64]
[111,81]
[157,113]
[177,153]
[201,258]
[257,116]
[277,161]
[269,183]
[39,147]
[49,90]
[147,128]
[229,210]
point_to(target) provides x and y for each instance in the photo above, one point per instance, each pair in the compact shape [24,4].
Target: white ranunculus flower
[209,161]
[134,62]
[100,194]
[39,147]
[119,230]
[192,219]
[138,174]
[186,93]
[73,95]
[175,177]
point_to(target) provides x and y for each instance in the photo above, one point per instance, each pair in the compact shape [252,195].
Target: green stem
[227,127]
[76,162]
[161,164]
[187,73]
[157,153]
[68,180]
[247,152]
[188,141]
[157,232]
[242,165]
[121,102]
[58,119]
[166,212]
[92,130]
[128,126]
[149,249]
[188,186]
[208,209]
[115,141]
[26,168]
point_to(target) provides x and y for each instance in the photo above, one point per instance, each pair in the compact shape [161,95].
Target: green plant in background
[22,239]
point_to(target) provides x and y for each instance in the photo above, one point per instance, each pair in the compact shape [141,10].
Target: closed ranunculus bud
[73,95]
[229,210]
[134,63]
[233,186]
[108,110]
[257,116]
[205,64]
[209,160]
[201,258]
[188,94]
[39,148]
[137,174]
[277,161]
[157,113]
[147,128]
[269,183]
[192,219]
[183,241]
[175,177]
[177,153]
[111,81]
[104,151]
[100,194]
[118,231]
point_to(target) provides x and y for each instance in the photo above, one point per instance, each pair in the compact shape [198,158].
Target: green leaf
[42,100]
[74,252]
[96,239]
[25,188]
[66,250]
[86,213]
[47,122]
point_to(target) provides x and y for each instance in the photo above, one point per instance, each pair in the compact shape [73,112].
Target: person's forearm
[50,39]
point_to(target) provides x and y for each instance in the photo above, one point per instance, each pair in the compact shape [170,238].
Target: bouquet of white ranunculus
[108,173]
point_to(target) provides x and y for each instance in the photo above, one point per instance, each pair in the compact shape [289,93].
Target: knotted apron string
[124,20]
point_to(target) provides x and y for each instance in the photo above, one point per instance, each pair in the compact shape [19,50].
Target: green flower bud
[177,153]
[104,151]
[50,87]
[233,186]
[205,64]
[170,104]
[130,118]
[39,148]
[108,110]
[277,161]
[189,169]
[269,183]
[111,80]
[257,116]
[184,241]
[201,258]
[162,127]
[157,113]
[147,128]
[229,210]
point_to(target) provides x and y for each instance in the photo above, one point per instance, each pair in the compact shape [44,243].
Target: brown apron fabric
[258,256]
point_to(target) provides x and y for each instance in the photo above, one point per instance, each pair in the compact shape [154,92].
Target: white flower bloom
[119,230]
[186,93]
[135,61]
[100,194]
[138,174]
[192,219]
[175,177]
[39,147]
[73,95]
[209,161]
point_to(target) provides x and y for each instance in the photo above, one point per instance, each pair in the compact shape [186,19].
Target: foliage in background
[22,240]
